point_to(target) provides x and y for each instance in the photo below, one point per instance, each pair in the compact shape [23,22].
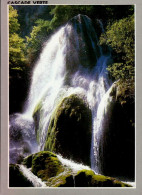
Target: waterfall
[71,63]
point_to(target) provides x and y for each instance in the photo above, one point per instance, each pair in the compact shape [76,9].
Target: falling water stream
[70,63]
[36,182]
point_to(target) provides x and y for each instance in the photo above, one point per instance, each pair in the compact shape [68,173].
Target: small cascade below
[72,165]
[37,182]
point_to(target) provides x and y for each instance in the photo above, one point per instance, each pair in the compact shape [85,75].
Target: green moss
[87,172]
[120,184]
[28,161]
[37,108]
[37,119]
[46,165]
[87,178]
[64,179]
[69,131]
[83,178]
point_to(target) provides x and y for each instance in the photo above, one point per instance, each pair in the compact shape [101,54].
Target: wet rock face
[82,45]
[69,131]
[117,144]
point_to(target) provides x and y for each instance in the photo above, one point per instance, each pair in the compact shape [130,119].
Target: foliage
[16,43]
[52,17]
[13,21]
[49,19]
[120,37]
[63,13]
[37,37]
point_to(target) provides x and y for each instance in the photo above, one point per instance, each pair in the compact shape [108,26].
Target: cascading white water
[72,165]
[49,72]
[70,63]
[37,182]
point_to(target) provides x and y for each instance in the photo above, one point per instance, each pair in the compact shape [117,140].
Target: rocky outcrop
[117,142]
[83,47]
[54,173]
[87,178]
[46,165]
[69,132]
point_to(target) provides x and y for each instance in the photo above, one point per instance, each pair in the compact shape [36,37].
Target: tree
[120,37]
[63,13]
[16,43]
[37,37]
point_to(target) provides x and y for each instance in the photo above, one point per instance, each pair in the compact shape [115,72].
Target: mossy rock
[16,177]
[46,165]
[65,179]
[36,116]
[28,161]
[69,132]
[87,178]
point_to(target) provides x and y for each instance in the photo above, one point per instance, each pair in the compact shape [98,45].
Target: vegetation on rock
[69,132]
[28,161]
[64,179]
[37,117]
[47,167]
[87,178]
[120,36]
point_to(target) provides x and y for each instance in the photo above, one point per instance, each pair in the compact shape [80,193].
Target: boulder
[44,164]
[87,178]
[50,169]
[117,141]
[65,179]
[69,132]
